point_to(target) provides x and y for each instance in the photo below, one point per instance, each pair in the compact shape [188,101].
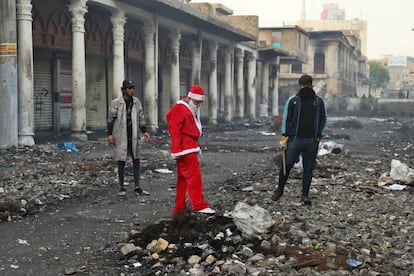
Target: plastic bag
[68,146]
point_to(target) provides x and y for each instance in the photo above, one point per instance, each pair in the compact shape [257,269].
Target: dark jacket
[291,113]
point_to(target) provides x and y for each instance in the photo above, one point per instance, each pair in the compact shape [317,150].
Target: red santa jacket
[184,128]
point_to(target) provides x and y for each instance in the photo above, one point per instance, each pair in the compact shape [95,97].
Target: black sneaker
[276,195]
[122,192]
[139,191]
[305,200]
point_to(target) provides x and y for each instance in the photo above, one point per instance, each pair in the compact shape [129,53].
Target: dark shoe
[139,191]
[306,200]
[277,194]
[122,192]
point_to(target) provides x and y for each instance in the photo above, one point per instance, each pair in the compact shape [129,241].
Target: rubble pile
[39,176]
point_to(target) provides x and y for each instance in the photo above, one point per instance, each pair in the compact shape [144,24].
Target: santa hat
[196,93]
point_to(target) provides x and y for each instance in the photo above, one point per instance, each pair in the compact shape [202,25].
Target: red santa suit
[185,128]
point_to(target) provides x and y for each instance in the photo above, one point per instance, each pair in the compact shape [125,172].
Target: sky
[390,22]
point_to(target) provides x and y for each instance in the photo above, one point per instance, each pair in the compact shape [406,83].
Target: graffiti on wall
[40,95]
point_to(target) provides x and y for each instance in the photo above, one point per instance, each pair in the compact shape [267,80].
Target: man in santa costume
[185,128]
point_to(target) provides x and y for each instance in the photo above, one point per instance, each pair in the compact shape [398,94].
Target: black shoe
[122,192]
[306,200]
[139,191]
[276,195]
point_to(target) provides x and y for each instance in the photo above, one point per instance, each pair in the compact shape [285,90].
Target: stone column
[8,75]
[212,91]
[251,86]
[275,91]
[239,84]
[228,99]
[118,20]
[196,59]
[264,102]
[78,123]
[25,72]
[150,92]
[175,37]
[258,81]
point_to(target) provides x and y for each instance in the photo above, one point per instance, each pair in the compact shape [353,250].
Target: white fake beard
[193,107]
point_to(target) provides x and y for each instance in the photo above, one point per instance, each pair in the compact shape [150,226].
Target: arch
[59,30]
[94,38]
[319,63]
[220,60]
[109,43]
[185,54]
[205,57]
[135,45]
[38,28]
[164,47]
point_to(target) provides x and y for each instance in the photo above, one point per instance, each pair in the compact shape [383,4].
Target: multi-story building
[337,55]
[401,71]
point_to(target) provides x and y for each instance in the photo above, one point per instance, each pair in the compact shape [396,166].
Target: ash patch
[349,124]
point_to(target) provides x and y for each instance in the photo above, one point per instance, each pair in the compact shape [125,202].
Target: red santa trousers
[189,179]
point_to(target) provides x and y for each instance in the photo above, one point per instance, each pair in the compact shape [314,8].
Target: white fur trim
[184,152]
[196,97]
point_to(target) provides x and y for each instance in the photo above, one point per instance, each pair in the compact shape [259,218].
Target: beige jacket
[118,116]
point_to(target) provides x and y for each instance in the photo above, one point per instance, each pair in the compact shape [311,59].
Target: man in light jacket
[125,120]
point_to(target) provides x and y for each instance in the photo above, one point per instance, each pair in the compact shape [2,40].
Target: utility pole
[303,14]
[8,75]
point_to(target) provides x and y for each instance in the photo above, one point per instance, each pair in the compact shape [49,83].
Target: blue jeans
[307,147]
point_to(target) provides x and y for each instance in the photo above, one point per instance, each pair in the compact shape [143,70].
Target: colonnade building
[72,56]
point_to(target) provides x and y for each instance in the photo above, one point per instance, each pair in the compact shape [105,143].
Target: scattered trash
[71,271]
[248,189]
[353,262]
[400,171]
[306,242]
[385,179]
[68,146]
[267,133]
[22,242]
[330,147]
[251,219]
[163,171]
[395,187]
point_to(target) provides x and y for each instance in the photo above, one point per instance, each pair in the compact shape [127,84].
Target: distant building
[336,64]
[288,46]
[336,54]
[357,27]
[332,11]
[401,84]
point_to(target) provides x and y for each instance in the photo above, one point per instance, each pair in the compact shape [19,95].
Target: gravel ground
[73,222]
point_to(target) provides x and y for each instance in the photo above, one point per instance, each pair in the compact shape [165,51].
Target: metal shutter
[43,91]
[96,96]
